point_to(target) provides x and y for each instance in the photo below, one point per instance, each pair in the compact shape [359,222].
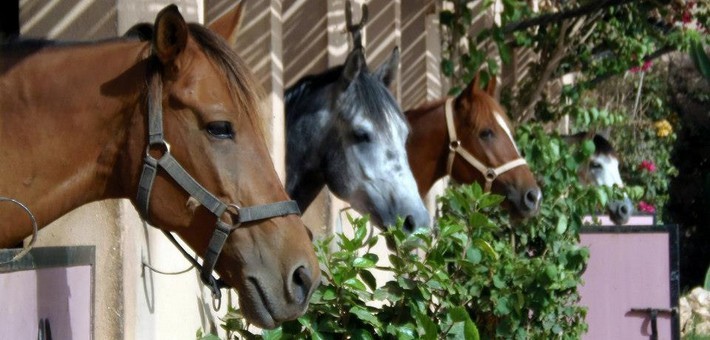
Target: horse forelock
[239,79]
[369,97]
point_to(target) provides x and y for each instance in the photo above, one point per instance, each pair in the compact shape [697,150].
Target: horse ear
[170,36]
[227,25]
[387,72]
[470,89]
[353,66]
[491,87]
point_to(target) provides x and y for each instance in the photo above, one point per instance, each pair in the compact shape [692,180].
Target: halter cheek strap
[455,148]
[218,208]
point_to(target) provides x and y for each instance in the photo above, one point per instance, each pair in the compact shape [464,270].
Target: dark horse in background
[75,128]
[345,130]
[602,169]
[469,138]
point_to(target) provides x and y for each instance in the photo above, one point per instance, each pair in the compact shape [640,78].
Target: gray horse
[345,130]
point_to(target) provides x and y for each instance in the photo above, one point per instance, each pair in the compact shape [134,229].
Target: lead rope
[35,229]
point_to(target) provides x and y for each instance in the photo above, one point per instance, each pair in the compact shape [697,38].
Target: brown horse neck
[427,146]
[66,114]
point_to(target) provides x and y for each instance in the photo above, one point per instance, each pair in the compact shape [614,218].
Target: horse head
[346,130]
[212,124]
[485,150]
[602,169]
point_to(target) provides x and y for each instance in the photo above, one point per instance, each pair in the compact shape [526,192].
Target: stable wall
[281,41]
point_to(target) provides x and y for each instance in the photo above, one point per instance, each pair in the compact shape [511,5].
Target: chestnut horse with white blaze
[162,122]
[469,138]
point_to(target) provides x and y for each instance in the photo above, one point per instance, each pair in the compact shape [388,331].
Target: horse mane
[311,83]
[369,97]
[240,81]
[482,102]
[426,107]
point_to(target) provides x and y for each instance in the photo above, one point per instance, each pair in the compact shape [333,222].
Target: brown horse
[484,150]
[84,122]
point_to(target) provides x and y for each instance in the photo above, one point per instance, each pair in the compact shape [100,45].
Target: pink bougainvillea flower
[687,17]
[646,207]
[648,165]
[646,65]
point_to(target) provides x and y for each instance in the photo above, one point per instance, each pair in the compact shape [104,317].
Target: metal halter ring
[454,145]
[162,145]
[234,210]
[491,174]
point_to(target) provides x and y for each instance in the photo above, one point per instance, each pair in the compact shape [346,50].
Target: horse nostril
[301,285]
[532,197]
[625,210]
[409,224]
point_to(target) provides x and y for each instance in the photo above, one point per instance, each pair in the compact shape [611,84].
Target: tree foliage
[589,40]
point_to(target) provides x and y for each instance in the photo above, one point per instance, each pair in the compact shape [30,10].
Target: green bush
[480,274]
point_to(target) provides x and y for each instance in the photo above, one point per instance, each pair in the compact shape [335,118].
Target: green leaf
[275,334]
[369,260]
[365,315]
[355,284]
[561,224]
[485,247]
[360,234]
[449,229]
[361,334]
[700,58]
[328,294]
[474,255]
[490,200]
[551,271]
[459,314]
[447,67]
[588,148]
[502,307]
[427,326]
[602,196]
[369,279]
[707,280]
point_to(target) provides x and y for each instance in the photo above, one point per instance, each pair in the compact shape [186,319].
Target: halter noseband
[191,186]
[455,147]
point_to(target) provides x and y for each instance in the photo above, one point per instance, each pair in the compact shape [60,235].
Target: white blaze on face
[501,122]
[604,170]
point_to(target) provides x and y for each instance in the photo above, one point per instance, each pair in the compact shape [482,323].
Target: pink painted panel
[625,271]
[62,295]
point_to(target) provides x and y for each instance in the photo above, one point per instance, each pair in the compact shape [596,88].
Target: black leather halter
[157,142]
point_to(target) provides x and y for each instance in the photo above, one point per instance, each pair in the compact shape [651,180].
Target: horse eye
[595,165]
[362,136]
[221,129]
[486,134]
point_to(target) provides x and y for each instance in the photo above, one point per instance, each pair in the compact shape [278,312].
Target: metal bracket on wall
[653,314]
